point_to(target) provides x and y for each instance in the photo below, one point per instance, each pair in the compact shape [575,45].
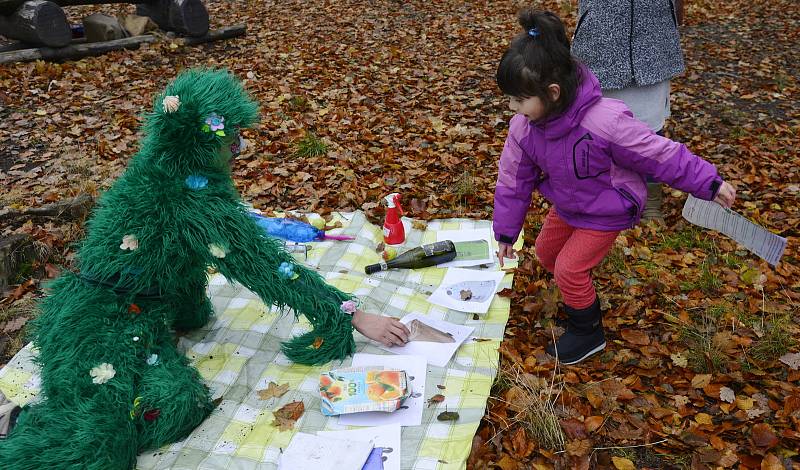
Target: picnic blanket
[239,354]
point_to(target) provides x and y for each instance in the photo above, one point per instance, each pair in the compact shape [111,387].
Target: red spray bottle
[393,231]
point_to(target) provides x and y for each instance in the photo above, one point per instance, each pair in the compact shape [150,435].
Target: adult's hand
[385,330]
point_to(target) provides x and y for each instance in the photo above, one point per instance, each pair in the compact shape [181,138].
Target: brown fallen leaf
[763,436]
[286,416]
[438,398]
[273,390]
[579,447]
[466,294]
[317,342]
[637,337]
[419,225]
[621,463]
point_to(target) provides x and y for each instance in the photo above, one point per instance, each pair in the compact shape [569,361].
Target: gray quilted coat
[628,42]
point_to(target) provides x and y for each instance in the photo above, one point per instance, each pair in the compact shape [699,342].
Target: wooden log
[37,22]
[227,32]
[76,51]
[188,17]
[79,49]
[8,7]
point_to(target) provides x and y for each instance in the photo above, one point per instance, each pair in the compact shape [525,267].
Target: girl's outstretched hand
[505,251]
[726,195]
[385,330]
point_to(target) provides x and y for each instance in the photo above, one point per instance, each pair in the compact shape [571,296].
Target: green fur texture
[123,306]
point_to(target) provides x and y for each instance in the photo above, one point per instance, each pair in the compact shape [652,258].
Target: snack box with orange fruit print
[360,389]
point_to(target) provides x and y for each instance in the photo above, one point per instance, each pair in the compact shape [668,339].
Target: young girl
[589,157]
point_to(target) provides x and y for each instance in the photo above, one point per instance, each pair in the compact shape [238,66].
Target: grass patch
[706,342]
[534,400]
[310,146]
[615,260]
[298,103]
[708,282]
[464,184]
[775,340]
[687,239]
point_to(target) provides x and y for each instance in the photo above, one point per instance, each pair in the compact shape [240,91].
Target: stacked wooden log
[43,22]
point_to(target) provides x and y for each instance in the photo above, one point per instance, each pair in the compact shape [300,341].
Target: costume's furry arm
[242,252]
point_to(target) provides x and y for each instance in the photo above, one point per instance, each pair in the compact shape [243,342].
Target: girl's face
[531,107]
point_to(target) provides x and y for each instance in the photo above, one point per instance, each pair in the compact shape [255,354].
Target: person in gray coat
[634,49]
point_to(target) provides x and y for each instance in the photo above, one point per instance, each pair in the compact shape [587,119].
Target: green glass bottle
[419,257]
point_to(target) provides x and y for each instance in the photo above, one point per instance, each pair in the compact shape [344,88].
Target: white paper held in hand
[760,241]
[436,353]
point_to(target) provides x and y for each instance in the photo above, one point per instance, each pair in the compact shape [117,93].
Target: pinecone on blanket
[113,383]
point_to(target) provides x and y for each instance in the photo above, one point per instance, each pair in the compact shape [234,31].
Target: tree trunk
[74,52]
[188,17]
[37,22]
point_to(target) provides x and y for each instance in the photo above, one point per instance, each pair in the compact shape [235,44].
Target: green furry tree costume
[113,383]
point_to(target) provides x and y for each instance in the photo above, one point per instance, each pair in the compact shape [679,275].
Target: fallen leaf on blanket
[438,398]
[337,224]
[317,342]
[15,324]
[506,292]
[447,416]
[288,415]
[481,340]
[441,387]
[381,246]
[273,390]
[216,402]
[466,294]
[419,225]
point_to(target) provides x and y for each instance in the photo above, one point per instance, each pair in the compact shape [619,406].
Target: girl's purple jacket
[590,162]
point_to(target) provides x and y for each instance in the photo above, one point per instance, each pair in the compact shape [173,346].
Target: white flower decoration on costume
[217,251]
[171,103]
[129,242]
[102,373]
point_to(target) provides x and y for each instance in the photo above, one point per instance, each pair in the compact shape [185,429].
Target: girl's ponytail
[537,57]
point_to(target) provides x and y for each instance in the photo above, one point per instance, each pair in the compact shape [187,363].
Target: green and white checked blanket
[240,353]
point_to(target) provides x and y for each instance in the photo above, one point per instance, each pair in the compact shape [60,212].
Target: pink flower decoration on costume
[349,307]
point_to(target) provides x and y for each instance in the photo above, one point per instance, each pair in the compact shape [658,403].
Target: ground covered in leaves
[360,99]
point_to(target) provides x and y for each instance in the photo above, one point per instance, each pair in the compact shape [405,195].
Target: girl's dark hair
[537,57]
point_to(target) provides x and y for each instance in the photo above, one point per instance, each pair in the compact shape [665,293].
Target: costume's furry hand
[385,330]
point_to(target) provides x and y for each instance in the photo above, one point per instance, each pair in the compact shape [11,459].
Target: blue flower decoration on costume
[196,182]
[286,271]
[215,123]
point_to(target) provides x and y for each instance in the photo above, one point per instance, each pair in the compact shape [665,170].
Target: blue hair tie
[533,32]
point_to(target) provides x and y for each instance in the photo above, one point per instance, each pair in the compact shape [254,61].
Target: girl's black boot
[583,336]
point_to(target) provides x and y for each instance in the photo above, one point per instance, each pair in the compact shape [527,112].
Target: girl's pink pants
[570,254]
